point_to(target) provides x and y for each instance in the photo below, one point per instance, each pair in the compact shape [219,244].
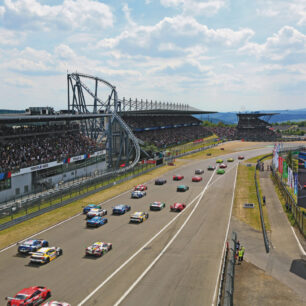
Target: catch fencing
[230,273]
[264,231]
[298,215]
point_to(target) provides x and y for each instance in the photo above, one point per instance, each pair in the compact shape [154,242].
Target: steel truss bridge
[92,95]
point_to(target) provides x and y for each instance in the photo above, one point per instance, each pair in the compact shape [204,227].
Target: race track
[170,259]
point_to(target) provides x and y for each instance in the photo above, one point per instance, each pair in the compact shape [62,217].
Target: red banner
[280,165]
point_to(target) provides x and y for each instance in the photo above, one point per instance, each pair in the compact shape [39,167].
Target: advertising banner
[301,184]
[285,170]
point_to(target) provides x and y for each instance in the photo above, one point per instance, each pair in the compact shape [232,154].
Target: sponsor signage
[57,163]
[248,205]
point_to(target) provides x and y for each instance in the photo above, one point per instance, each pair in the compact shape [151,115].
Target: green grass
[254,159]
[246,193]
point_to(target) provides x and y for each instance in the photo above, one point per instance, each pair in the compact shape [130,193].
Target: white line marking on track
[298,242]
[165,248]
[228,226]
[57,224]
[140,249]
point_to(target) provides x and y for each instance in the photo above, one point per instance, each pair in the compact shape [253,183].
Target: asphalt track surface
[170,259]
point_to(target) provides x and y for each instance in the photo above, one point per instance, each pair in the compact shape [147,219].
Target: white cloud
[287,41]
[2,11]
[71,14]
[179,30]
[195,7]
[293,10]
[11,38]
[19,82]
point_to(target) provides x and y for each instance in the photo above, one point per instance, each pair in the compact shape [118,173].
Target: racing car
[87,208]
[56,303]
[138,194]
[199,171]
[178,177]
[31,245]
[139,217]
[157,205]
[220,171]
[96,212]
[240,157]
[182,188]
[29,296]
[121,209]
[96,222]
[45,255]
[210,168]
[219,161]
[140,187]
[196,178]
[222,166]
[160,181]
[177,207]
[98,248]
[230,160]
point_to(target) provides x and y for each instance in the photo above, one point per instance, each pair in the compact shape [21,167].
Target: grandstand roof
[12,118]
[190,111]
[256,114]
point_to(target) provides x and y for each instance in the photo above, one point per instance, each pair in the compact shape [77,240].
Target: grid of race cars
[41,253]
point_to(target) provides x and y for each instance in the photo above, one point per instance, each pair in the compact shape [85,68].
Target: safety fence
[230,273]
[22,211]
[298,215]
[264,231]
[31,207]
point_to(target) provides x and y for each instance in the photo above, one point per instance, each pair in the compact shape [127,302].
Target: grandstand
[252,127]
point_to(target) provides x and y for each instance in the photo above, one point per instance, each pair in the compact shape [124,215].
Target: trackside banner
[69,160]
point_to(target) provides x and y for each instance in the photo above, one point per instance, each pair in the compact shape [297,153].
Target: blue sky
[222,55]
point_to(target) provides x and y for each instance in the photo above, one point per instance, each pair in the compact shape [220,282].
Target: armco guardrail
[230,272]
[61,202]
[222,275]
[264,232]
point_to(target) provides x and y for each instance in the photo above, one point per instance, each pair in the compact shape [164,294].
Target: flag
[280,165]
[295,183]
[285,170]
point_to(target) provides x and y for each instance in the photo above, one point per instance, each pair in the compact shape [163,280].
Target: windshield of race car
[20,297]
[29,242]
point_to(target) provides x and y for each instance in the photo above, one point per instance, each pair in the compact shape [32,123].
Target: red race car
[197,179]
[222,166]
[240,157]
[29,296]
[141,187]
[177,207]
[178,177]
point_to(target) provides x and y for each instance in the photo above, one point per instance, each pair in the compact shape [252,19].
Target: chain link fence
[230,272]
[298,215]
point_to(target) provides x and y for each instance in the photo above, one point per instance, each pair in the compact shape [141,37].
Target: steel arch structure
[109,127]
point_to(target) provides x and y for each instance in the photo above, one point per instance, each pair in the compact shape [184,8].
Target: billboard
[302,179]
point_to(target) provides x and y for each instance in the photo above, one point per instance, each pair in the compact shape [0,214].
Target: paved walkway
[284,247]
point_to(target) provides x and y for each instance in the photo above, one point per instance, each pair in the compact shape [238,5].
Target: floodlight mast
[101,129]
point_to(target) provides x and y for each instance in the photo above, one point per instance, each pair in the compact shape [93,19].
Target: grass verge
[246,193]
[254,159]
[37,224]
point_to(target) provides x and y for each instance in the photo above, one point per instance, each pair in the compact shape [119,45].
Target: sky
[215,55]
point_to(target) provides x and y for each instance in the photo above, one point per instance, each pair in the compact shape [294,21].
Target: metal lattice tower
[83,98]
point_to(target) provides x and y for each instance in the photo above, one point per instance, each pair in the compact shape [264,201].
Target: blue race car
[31,245]
[87,208]
[138,194]
[96,221]
[121,209]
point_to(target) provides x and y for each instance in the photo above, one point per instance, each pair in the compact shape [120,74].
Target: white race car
[96,212]
[98,248]
[138,194]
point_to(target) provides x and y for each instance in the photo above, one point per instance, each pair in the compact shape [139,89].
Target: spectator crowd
[25,147]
